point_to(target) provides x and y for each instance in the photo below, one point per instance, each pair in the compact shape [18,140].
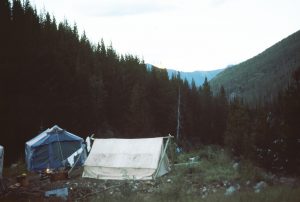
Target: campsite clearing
[203,175]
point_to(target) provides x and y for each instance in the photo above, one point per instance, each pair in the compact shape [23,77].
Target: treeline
[51,74]
[268,134]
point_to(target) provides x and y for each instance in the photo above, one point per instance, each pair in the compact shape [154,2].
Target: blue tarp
[63,193]
[51,148]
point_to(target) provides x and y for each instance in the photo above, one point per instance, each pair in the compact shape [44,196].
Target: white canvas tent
[119,159]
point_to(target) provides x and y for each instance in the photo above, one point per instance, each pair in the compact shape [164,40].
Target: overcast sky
[182,34]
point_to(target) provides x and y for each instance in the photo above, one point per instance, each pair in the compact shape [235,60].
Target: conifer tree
[291,128]
[220,113]
[238,135]
[206,111]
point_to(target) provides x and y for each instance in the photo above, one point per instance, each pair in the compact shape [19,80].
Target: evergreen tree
[206,111]
[220,115]
[139,122]
[51,74]
[291,128]
[238,135]
[5,23]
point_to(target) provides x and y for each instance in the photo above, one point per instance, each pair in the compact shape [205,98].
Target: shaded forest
[51,74]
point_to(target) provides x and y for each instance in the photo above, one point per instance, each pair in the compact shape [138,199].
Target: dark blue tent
[51,149]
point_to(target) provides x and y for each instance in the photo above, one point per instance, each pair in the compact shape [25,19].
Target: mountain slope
[198,76]
[260,78]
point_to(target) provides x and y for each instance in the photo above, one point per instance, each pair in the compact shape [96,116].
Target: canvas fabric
[51,149]
[121,159]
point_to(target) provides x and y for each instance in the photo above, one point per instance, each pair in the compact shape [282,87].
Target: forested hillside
[198,77]
[51,74]
[260,78]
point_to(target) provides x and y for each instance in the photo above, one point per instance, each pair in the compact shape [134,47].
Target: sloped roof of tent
[50,135]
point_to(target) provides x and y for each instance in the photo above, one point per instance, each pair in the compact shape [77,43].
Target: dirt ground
[79,189]
[84,189]
[206,178]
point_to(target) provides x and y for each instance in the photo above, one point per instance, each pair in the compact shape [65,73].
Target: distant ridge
[198,76]
[259,79]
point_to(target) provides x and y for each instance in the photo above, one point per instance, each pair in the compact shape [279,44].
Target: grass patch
[218,172]
[200,181]
[214,165]
[248,171]
[270,194]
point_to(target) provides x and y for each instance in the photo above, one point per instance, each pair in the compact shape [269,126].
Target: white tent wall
[120,159]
